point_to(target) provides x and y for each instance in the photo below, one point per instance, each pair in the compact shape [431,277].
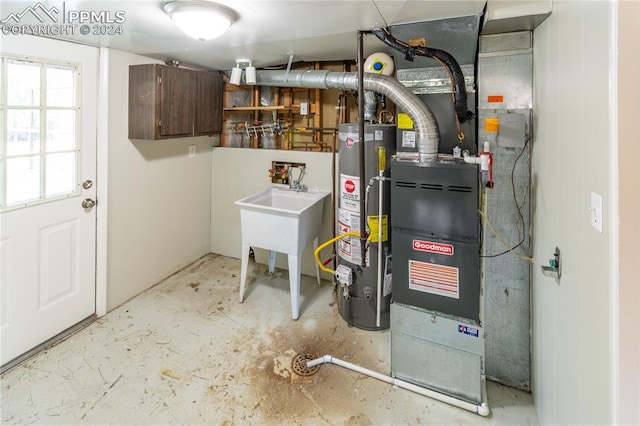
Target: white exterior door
[47,170]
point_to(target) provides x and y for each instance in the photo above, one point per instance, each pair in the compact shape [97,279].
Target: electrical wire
[527,188]
[521,221]
[499,237]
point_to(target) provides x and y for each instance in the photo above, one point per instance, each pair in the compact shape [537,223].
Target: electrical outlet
[596,211]
[192,151]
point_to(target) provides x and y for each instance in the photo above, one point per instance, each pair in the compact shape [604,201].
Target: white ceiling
[266,31]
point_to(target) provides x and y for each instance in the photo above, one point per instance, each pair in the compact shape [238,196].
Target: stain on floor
[186,352]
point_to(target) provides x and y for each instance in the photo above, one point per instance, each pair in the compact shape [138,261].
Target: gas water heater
[359,302]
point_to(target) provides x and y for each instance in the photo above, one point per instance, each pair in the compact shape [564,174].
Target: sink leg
[272,262]
[315,247]
[294,284]
[243,269]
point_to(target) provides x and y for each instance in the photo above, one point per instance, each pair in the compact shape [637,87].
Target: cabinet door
[143,102]
[208,103]
[177,87]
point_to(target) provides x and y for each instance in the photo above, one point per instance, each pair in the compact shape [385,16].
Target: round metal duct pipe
[424,123]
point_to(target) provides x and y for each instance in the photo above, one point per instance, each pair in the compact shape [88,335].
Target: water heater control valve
[344,277]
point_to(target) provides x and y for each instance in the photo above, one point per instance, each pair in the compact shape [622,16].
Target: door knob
[87,184]
[88,203]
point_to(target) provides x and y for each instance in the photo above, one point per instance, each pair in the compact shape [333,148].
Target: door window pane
[24,83]
[60,86]
[61,174]
[23,131]
[39,125]
[61,130]
[23,179]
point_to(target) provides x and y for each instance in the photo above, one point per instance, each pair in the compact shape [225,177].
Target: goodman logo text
[431,247]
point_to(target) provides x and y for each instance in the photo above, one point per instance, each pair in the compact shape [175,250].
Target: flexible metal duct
[424,123]
[370,106]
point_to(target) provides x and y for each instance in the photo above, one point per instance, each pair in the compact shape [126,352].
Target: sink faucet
[296,184]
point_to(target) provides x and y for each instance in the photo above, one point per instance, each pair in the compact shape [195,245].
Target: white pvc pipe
[471,159]
[483,160]
[379,286]
[480,409]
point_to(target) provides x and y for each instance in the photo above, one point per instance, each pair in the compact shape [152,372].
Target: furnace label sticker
[432,247]
[350,193]
[469,331]
[387,283]
[434,279]
[408,139]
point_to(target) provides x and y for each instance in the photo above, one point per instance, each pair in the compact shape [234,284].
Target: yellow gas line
[316,253]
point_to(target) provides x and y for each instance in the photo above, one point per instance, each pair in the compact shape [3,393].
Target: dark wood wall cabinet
[170,102]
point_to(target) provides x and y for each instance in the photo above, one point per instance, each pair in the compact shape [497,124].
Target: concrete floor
[186,352]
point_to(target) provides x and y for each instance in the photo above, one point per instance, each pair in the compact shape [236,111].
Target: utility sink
[281,220]
[280,200]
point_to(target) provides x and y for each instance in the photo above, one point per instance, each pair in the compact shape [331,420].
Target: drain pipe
[424,122]
[480,409]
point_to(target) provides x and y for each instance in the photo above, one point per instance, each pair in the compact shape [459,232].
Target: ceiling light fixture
[202,20]
[250,75]
[237,71]
[236,75]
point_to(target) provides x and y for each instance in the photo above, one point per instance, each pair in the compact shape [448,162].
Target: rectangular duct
[505,80]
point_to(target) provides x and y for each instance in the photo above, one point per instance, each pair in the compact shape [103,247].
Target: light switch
[192,151]
[304,108]
[596,211]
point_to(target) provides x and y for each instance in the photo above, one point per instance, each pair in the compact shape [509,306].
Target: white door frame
[102,177]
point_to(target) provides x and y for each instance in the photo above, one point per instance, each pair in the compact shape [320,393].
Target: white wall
[159,200]
[629,199]
[239,172]
[572,156]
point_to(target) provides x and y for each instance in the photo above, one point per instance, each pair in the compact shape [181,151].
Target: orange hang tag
[495,98]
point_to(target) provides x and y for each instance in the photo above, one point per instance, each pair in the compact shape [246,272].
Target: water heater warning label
[350,193]
[434,279]
[349,247]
